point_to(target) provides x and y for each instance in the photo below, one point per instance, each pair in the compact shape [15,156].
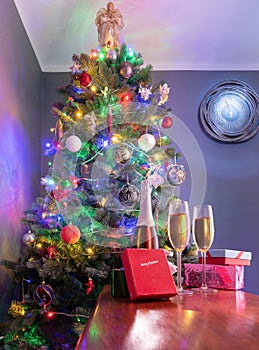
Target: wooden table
[225,320]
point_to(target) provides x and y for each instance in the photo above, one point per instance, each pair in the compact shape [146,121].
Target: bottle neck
[145,214]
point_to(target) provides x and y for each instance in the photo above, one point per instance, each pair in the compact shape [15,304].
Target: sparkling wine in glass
[203,236]
[179,234]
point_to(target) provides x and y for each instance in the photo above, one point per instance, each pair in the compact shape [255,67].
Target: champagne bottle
[145,235]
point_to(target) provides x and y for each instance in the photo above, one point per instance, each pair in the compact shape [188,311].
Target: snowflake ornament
[145,93]
[76,68]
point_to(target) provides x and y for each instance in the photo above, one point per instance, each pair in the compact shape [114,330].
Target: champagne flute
[203,235]
[179,234]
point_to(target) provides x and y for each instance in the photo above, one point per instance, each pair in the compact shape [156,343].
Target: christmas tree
[109,135]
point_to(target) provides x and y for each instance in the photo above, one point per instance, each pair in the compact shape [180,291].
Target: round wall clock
[229,112]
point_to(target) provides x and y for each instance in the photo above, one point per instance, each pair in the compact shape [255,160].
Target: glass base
[182,291]
[185,292]
[204,290]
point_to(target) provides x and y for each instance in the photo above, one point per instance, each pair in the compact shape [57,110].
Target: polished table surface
[220,321]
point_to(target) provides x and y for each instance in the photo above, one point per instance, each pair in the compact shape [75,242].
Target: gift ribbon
[239,255]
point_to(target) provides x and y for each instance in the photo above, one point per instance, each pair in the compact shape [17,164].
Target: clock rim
[246,92]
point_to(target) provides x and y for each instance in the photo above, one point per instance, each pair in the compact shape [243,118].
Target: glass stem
[179,271]
[203,278]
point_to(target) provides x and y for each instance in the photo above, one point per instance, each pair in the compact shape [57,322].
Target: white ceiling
[170,34]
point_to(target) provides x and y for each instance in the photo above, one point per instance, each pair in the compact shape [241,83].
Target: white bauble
[146,142]
[73,143]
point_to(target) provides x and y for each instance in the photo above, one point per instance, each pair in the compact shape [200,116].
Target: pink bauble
[167,122]
[126,69]
[70,234]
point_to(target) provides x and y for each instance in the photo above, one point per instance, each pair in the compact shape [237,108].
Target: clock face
[229,112]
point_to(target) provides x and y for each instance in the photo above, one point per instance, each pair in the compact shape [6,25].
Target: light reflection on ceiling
[170,34]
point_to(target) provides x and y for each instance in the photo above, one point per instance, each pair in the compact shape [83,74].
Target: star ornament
[164,92]
[105,92]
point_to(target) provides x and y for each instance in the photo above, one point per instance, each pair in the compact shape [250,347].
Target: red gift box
[217,276]
[227,257]
[147,274]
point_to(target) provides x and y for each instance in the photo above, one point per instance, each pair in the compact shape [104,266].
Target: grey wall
[50,83]
[232,170]
[20,106]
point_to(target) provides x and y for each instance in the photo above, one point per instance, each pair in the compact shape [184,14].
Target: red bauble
[109,121]
[85,79]
[70,234]
[167,122]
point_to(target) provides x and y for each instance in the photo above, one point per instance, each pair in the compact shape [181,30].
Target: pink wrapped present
[217,276]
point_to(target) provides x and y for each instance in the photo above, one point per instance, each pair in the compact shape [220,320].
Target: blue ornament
[78,90]
[103,141]
[50,150]
[129,223]
[142,100]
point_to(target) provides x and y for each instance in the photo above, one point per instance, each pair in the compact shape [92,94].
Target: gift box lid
[147,274]
[228,253]
[226,261]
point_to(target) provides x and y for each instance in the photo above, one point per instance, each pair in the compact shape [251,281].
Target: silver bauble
[129,195]
[112,55]
[122,154]
[28,238]
[176,174]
